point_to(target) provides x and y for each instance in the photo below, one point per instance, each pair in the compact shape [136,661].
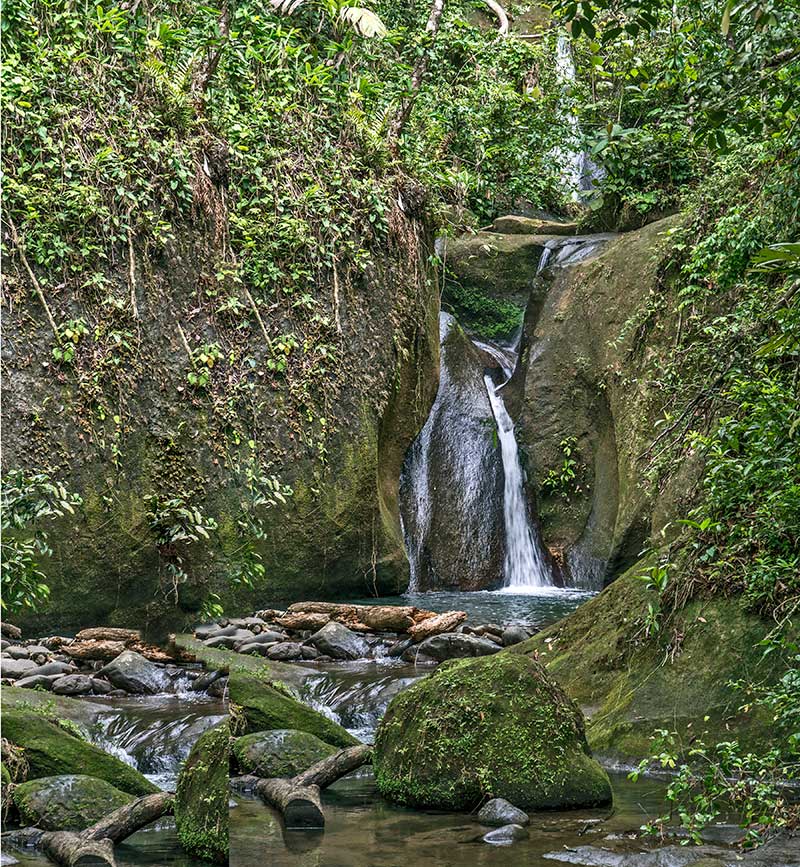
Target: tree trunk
[298,799]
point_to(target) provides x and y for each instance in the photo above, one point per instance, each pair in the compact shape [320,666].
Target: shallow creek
[362,830]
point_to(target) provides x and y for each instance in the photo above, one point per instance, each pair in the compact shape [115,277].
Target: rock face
[67,803]
[451,490]
[496,726]
[266,708]
[133,673]
[342,517]
[339,642]
[279,753]
[595,322]
[51,751]
[201,797]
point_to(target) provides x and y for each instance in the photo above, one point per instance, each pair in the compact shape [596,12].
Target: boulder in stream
[133,673]
[266,706]
[453,645]
[285,650]
[339,642]
[52,751]
[72,684]
[494,726]
[16,668]
[499,811]
[70,802]
[506,835]
[201,797]
[279,753]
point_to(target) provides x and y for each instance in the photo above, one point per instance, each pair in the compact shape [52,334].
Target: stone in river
[399,647]
[73,684]
[309,652]
[218,688]
[506,835]
[240,636]
[266,637]
[339,642]
[253,647]
[133,673]
[101,686]
[514,635]
[15,668]
[53,668]
[499,811]
[37,681]
[453,645]
[286,650]
[206,679]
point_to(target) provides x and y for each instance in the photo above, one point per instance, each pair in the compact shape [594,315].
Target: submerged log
[94,847]
[298,798]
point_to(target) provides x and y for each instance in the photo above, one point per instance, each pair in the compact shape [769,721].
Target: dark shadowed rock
[286,650]
[133,673]
[206,679]
[454,645]
[506,835]
[73,684]
[398,647]
[499,811]
[339,642]
[513,635]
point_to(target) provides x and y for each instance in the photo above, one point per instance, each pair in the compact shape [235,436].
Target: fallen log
[446,622]
[94,847]
[298,798]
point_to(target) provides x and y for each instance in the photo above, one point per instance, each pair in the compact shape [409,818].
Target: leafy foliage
[27,502]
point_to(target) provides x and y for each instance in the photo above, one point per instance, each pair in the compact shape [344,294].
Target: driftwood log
[298,798]
[94,847]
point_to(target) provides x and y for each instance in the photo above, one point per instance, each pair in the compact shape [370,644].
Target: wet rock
[437,625]
[498,811]
[520,737]
[414,655]
[265,708]
[309,652]
[286,650]
[398,647]
[133,673]
[267,636]
[279,753]
[240,636]
[514,635]
[506,835]
[100,686]
[201,797]
[453,645]
[205,680]
[255,649]
[67,803]
[37,681]
[52,751]
[73,684]
[16,668]
[218,688]
[339,642]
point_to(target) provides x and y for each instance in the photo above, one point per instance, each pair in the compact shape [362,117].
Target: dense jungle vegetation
[291,130]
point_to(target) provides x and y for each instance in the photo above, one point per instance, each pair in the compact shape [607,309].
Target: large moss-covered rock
[264,707]
[488,727]
[51,751]
[201,797]
[630,686]
[279,753]
[67,803]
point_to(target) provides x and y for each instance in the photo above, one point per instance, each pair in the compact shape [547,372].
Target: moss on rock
[265,708]
[279,753]
[629,686]
[488,727]
[51,751]
[201,798]
[67,803]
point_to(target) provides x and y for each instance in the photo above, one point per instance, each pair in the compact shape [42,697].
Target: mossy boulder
[279,753]
[630,686]
[52,751]
[70,802]
[201,798]
[264,707]
[489,727]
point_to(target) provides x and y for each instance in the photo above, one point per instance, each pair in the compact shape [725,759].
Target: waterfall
[525,568]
